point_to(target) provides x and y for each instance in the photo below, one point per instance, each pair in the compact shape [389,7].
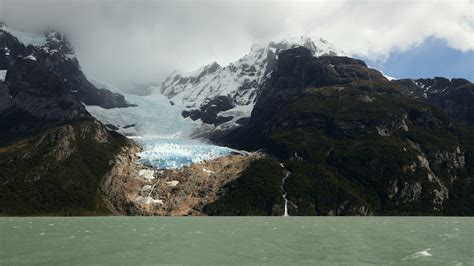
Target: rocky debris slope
[54,52]
[223,96]
[355,143]
[132,189]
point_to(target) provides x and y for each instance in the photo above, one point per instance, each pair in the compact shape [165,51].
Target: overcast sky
[119,41]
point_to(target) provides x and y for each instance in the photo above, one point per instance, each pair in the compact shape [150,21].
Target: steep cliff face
[354,142]
[53,153]
[121,185]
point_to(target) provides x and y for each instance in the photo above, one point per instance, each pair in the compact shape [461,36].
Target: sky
[433,57]
[139,41]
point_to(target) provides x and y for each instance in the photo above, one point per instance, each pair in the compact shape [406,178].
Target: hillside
[355,143]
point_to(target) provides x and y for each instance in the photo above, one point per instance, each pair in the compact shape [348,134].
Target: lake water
[237,240]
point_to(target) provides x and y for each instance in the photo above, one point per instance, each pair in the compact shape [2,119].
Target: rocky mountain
[225,96]
[55,53]
[454,97]
[355,143]
[53,153]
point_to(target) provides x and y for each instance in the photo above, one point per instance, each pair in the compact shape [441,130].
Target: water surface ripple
[237,240]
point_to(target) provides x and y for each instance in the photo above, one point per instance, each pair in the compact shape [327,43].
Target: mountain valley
[220,140]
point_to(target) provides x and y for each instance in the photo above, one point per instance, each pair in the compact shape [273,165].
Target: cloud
[120,41]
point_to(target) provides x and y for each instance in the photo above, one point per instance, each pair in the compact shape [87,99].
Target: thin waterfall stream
[283,190]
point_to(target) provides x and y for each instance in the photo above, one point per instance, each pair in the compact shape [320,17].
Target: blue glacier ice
[176,153]
[160,129]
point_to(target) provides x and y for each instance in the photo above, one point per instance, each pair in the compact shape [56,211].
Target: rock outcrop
[455,97]
[129,190]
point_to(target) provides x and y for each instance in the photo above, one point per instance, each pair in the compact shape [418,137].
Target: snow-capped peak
[240,80]
[318,46]
[50,42]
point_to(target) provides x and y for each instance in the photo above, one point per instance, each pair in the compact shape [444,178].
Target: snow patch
[172,183]
[31,57]
[148,200]
[3,75]
[207,171]
[147,174]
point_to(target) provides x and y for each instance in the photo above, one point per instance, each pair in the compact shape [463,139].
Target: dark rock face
[296,70]
[455,97]
[355,143]
[208,111]
[41,93]
[5,97]
[53,153]
[57,55]
[10,49]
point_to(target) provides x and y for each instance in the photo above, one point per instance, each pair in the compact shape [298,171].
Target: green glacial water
[237,240]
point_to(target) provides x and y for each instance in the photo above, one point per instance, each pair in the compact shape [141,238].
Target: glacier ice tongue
[176,153]
[160,129]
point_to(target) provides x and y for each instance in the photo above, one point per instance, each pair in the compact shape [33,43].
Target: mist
[123,42]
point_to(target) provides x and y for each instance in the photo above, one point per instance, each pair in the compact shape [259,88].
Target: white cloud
[140,40]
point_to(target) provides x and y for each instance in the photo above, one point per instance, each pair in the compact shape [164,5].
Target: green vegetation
[39,177]
[342,159]
[256,192]
[461,202]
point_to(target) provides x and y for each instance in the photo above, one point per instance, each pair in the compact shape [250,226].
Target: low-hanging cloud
[138,41]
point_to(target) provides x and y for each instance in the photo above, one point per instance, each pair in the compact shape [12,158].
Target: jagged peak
[209,68]
[258,52]
[317,45]
[38,39]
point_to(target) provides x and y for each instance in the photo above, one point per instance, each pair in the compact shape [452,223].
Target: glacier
[176,153]
[159,128]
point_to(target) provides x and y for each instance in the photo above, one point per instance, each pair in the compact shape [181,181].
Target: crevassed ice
[153,116]
[168,153]
[161,130]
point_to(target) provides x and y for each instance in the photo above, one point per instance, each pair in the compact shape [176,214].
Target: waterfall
[151,190]
[283,181]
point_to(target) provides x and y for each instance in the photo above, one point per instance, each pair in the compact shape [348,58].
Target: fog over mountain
[138,41]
